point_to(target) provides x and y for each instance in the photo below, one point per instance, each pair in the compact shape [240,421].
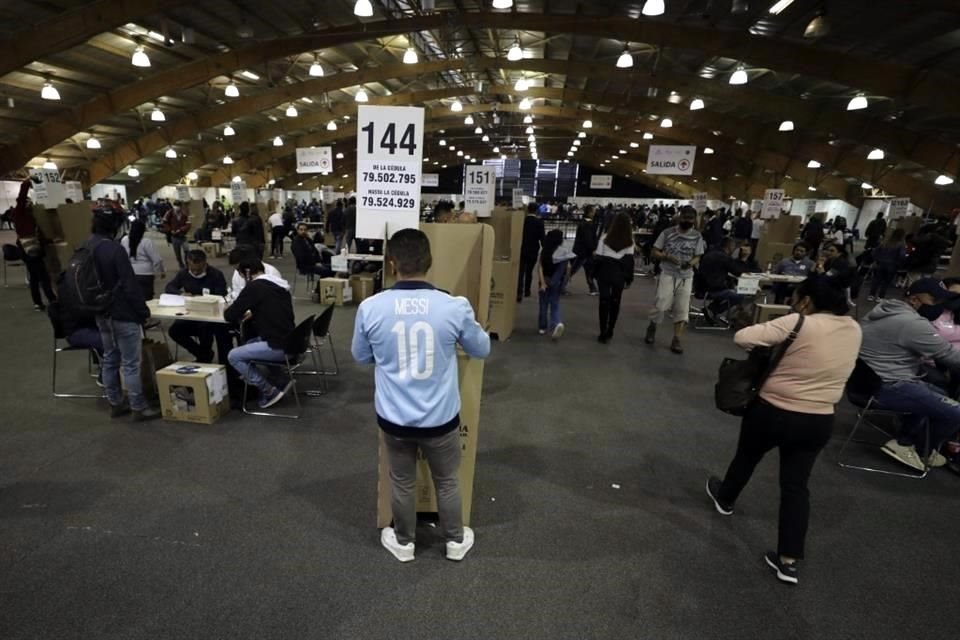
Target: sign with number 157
[389,164]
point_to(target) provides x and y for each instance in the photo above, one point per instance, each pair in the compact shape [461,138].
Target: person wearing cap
[897,338]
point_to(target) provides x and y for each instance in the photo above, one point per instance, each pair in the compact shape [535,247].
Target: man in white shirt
[277,229]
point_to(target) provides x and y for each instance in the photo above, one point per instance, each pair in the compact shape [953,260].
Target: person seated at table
[796,265]
[237,281]
[308,257]
[266,303]
[746,258]
[835,263]
[717,269]
[897,341]
[195,336]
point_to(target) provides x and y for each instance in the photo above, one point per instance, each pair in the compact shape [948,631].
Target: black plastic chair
[294,351]
[58,348]
[322,338]
[12,257]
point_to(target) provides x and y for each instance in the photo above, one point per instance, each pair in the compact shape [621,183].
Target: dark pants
[610,283]
[38,277]
[146,286]
[180,249]
[86,338]
[925,404]
[782,291]
[587,263]
[800,438]
[276,240]
[882,279]
[527,265]
[198,338]
[723,300]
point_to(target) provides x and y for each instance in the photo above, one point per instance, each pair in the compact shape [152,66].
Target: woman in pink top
[946,325]
[794,412]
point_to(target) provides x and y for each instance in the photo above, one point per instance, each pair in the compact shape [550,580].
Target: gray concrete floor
[260,528]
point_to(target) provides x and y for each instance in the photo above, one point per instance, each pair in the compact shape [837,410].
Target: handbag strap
[779,353]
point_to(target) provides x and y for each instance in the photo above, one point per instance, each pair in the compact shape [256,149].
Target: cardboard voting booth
[462,265]
[508,235]
[191,392]
[75,220]
[776,241]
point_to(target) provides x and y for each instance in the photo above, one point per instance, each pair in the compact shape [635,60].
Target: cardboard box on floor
[201,397]
[462,265]
[508,235]
[335,291]
[362,285]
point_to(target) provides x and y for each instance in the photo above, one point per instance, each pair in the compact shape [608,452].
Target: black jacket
[534,234]
[715,268]
[335,221]
[743,228]
[304,253]
[272,309]
[184,282]
[116,274]
[586,240]
[67,312]
[248,230]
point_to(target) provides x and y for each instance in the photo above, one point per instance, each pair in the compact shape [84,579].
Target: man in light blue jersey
[411,332]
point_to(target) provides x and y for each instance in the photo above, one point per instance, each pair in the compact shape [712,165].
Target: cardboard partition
[462,265]
[508,236]
[212,249]
[768,312]
[195,211]
[362,286]
[200,397]
[508,232]
[49,222]
[335,291]
[786,228]
[773,252]
[75,222]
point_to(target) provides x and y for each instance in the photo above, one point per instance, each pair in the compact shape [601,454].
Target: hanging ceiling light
[193,176]
[818,27]
[93,143]
[170,153]
[228,131]
[653,8]
[238,180]
[227,160]
[272,182]
[813,164]
[49,92]
[528,120]
[521,84]
[708,151]
[588,124]
[786,125]
[857,103]
[478,131]
[468,121]
[502,4]
[410,56]
[876,154]
[442,142]
[140,57]
[528,130]
[666,123]
[496,149]
[582,134]
[232,91]
[340,156]
[363,9]
[648,136]
[361,96]
[739,7]
[515,53]
[49,165]
[634,145]
[696,104]
[525,104]
[133,172]
[531,138]
[157,116]
[943,180]
[278,141]
[576,143]
[485,138]
[292,111]
[316,69]
[457,106]
[625,61]
[460,153]
[811,188]
[332,125]
[866,185]
[739,76]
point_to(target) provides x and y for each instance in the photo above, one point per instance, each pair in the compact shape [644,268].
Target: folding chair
[12,258]
[294,352]
[58,348]
[322,338]
[860,389]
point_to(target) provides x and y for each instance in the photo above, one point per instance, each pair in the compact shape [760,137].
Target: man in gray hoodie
[897,337]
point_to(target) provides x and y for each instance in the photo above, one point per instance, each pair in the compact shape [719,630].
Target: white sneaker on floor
[542,331]
[402,552]
[558,331]
[457,550]
[905,454]
[936,460]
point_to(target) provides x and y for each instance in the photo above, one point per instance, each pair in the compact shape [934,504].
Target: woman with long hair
[613,269]
[794,409]
[553,266]
[144,258]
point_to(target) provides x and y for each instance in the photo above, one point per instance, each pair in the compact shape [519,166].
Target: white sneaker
[558,331]
[542,331]
[906,454]
[402,552]
[457,550]
[936,460]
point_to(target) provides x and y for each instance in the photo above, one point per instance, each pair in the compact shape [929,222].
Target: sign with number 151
[389,169]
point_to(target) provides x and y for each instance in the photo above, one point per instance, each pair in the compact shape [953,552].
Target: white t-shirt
[276,220]
[757,228]
[238,282]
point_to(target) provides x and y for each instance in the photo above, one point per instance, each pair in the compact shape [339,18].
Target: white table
[181,313]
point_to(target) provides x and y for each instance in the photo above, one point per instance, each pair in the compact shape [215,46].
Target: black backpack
[83,281]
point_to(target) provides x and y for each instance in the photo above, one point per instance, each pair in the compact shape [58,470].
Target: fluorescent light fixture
[457,106]
[653,8]
[249,74]
[588,124]
[307,100]
[777,7]
[232,91]
[786,125]
[708,151]
[156,36]
[502,4]
[625,61]
[410,56]
[648,136]
[340,156]
[876,154]
[49,165]
[813,164]
[634,145]
[228,131]
[361,96]
[238,179]
[93,143]
[866,185]
[140,58]
[525,104]
[193,176]
[696,104]
[170,153]
[714,178]
[332,125]
[857,103]
[528,120]
[666,123]
[363,9]
[943,180]
[739,76]
[157,116]
[133,172]
[622,152]
[614,157]
[521,84]
[468,121]
[278,141]
[292,112]
[227,160]
[49,92]
[515,53]
[811,188]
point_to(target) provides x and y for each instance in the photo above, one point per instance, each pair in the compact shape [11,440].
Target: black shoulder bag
[739,381]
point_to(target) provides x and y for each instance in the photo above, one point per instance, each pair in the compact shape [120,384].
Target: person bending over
[411,332]
[194,336]
[266,303]
[307,255]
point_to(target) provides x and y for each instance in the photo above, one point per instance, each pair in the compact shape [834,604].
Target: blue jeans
[550,299]
[256,349]
[121,356]
[338,242]
[924,402]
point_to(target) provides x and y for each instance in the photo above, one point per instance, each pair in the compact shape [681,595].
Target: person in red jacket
[31,248]
[176,224]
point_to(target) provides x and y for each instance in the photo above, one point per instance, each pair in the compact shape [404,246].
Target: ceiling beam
[901,82]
